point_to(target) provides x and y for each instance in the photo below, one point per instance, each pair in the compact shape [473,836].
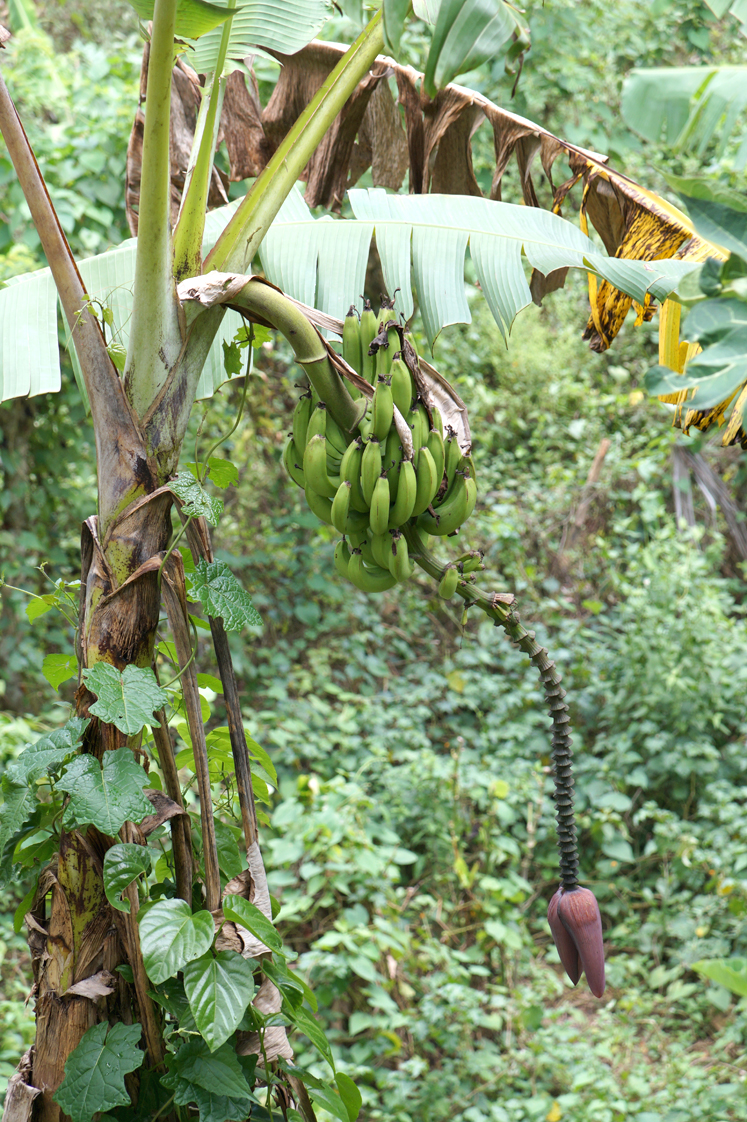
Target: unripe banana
[357,537]
[368,580]
[369,330]
[370,468]
[435,445]
[427,481]
[319,506]
[419,424]
[342,558]
[455,509]
[470,562]
[315,468]
[351,344]
[301,415]
[382,411]
[341,506]
[381,549]
[448,583]
[379,517]
[291,464]
[407,491]
[400,565]
[317,422]
[366,552]
[350,469]
[453,455]
[403,390]
[337,437]
[364,428]
[437,421]
[390,461]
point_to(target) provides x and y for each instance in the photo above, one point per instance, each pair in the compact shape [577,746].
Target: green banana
[357,537]
[407,490]
[448,583]
[381,548]
[470,562]
[382,409]
[390,461]
[417,419]
[369,330]
[368,580]
[437,421]
[366,552]
[403,389]
[301,415]
[454,510]
[317,422]
[342,558]
[341,506]
[453,455]
[364,427]
[337,437]
[318,505]
[315,468]
[427,481]
[350,470]
[379,516]
[351,343]
[435,445]
[291,464]
[370,468]
[400,565]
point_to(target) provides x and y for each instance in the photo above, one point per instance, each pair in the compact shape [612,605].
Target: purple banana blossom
[576,925]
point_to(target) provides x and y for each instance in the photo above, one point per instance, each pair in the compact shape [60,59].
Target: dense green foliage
[411,843]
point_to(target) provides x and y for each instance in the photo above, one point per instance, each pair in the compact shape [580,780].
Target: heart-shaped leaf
[127,700]
[171,936]
[239,910]
[95,1070]
[219,988]
[221,595]
[106,796]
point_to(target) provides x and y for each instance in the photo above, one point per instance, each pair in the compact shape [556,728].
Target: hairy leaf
[122,863]
[18,803]
[171,936]
[248,915]
[95,1070]
[48,753]
[219,988]
[106,796]
[196,499]
[127,700]
[221,595]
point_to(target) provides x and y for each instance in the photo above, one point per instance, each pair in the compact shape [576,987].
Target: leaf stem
[242,236]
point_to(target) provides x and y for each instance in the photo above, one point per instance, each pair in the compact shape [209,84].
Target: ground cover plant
[404,843]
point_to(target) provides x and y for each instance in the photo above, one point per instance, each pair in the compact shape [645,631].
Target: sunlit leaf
[281,25]
[195,498]
[193,17]
[58,668]
[729,972]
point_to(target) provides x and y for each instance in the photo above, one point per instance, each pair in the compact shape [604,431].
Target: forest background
[412,841]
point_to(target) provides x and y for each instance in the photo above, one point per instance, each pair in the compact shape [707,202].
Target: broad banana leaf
[322,263]
[692,104]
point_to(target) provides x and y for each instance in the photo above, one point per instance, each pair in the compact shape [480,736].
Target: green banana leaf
[421,239]
[280,25]
[693,104]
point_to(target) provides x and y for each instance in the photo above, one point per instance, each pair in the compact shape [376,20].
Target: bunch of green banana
[362,482]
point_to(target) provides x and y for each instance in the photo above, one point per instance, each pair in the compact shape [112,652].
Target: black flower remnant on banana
[388,500]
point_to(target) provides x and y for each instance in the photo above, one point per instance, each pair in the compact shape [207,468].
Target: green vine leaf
[122,863]
[331,1102]
[106,796]
[222,472]
[349,1094]
[127,700]
[18,803]
[171,937]
[214,1081]
[239,910]
[220,594]
[95,1071]
[219,988]
[47,754]
[195,498]
[57,668]
[304,1021]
